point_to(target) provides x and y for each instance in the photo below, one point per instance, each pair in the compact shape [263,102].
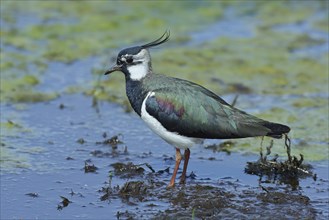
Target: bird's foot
[170,186]
[182,179]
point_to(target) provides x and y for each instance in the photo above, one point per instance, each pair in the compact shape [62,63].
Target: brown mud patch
[145,193]
[223,199]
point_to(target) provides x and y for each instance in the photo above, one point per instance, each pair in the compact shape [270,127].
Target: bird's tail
[277,130]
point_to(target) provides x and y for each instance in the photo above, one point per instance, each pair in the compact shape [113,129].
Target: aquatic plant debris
[288,172]
[129,169]
[204,200]
[108,190]
[113,141]
[89,168]
[32,194]
[64,203]
[133,188]
[81,141]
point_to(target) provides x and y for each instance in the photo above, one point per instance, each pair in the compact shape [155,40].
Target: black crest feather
[164,38]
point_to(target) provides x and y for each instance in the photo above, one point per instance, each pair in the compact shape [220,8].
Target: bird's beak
[113,69]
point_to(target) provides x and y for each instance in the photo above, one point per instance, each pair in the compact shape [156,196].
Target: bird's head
[135,62]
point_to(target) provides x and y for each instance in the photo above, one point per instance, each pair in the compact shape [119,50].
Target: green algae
[51,38]
[10,160]
[322,25]
[22,90]
[17,150]
[10,125]
[102,27]
[15,155]
[17,80]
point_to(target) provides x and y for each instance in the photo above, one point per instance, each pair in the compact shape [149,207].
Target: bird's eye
[129,60]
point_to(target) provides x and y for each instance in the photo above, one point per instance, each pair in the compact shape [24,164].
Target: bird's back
[191,110]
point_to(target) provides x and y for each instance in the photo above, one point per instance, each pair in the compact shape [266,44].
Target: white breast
[172,138]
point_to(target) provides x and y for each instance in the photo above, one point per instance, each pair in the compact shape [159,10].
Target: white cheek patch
[140,66]
[139,71]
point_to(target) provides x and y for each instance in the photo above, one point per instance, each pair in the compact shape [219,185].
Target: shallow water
[57,169]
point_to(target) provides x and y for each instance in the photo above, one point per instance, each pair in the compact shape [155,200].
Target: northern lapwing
[181,112]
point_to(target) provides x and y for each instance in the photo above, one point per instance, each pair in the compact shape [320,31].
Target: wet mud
[202,200]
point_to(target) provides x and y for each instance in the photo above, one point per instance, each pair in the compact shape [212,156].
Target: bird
[181,112]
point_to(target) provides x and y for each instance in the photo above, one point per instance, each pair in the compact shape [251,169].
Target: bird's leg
[186,159]
[178,160]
